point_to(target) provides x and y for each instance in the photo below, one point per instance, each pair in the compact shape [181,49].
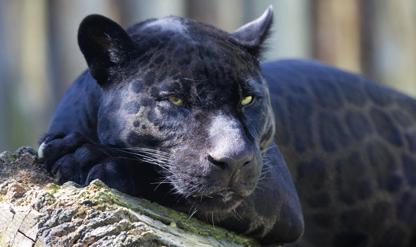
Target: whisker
[164,181]
[236,214]
[212,219]
[142,149]
[162,162]
[193,213]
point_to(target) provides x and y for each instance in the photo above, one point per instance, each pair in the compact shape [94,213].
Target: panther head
[189,98]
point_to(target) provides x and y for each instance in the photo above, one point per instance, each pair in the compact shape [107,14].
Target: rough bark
[36,212]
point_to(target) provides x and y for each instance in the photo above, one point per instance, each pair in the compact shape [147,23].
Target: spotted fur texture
[350,146]
[349,143]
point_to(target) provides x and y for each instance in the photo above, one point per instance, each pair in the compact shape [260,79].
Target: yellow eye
[175,100]
[246,100]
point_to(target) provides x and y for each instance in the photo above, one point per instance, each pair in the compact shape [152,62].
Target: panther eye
[175,100]
[246,100]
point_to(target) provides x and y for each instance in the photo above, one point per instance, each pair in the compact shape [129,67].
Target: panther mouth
[223,201]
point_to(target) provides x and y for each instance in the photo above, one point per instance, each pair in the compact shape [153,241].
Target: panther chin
[220,202]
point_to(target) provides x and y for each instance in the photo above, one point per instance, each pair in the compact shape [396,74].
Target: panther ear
[253,34]
[105,46]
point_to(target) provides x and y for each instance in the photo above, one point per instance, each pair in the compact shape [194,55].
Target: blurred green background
[39,56]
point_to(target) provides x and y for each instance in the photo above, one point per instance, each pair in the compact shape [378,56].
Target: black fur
[209,154]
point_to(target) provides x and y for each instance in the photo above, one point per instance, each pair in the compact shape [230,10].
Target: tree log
[34,211]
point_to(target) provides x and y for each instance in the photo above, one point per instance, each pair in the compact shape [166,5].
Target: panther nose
[232,162]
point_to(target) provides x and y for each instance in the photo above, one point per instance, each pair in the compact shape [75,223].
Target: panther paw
[69,157]
[114,174]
